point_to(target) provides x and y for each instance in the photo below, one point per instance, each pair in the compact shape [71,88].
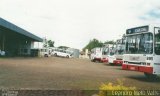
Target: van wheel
[45,55]
[67,56]
[55,54]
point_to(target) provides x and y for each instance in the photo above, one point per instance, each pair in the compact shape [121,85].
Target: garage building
[16,41]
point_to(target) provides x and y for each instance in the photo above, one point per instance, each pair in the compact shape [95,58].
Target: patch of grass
[108,89]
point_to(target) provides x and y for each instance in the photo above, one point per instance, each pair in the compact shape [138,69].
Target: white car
[62,53]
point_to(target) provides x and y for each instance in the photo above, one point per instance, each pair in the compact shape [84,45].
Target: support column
[3,42]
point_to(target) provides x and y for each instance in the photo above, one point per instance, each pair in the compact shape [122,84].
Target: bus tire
[111,64]
[46,55]
[93,60]
[97,61]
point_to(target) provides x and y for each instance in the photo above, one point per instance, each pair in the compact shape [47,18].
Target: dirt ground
[62,73]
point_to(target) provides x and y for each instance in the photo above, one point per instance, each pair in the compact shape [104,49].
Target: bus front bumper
[145,69]
[105,60]
[118,62]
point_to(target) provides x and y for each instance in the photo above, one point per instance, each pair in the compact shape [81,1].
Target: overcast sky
[74,22]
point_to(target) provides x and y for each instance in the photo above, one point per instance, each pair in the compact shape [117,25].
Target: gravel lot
[62,73]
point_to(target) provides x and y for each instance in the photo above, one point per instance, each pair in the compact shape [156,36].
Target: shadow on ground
[145,79]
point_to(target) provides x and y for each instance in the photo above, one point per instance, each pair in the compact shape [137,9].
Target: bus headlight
[126,62]
[143,63]
[148,64]
[149,58]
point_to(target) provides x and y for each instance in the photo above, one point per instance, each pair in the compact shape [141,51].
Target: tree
[63,47]
[50,43]
[45,42]
[109,42]
[92,44]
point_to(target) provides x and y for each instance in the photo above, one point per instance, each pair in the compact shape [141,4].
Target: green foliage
[63,47]
[50,43]
[92,44]
[45,43]
[109,42]
[107,89]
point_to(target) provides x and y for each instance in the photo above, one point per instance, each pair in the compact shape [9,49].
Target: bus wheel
[151,76]
[45,55]
[93,60]
[97,61]
[111,64]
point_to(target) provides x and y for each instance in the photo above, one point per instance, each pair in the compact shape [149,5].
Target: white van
[62,53]
[44,52]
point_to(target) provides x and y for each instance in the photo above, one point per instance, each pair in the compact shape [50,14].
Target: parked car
[62,53]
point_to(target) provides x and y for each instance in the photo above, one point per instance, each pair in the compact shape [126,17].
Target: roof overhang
[14,28]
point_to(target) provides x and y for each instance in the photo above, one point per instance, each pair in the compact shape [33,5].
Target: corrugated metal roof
[19,30]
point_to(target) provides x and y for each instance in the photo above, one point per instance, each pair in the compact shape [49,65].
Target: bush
[111,89]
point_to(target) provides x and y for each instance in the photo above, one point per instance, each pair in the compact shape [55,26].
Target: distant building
[16,41]
[85,54]
[75,52]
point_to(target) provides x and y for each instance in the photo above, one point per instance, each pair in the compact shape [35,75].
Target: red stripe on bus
[137,68]
[118,62]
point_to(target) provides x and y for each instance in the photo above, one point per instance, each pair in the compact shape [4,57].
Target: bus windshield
[108,51]
[139,44]
[120,49]
[105,51]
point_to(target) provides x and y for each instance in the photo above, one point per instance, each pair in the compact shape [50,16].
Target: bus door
[156,59]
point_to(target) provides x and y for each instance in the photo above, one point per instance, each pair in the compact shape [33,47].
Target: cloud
[74,22]
[153,14]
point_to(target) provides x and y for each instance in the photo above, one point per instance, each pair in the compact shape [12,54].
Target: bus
[119,51]
[99,54]
[109,52]
[96,54]
[143,50]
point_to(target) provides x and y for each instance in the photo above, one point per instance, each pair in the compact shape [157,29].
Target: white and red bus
[96,54]
[109,53]
[119,51]
[99,54]
[143,50]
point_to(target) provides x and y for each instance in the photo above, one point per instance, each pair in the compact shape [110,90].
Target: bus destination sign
[137,30]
